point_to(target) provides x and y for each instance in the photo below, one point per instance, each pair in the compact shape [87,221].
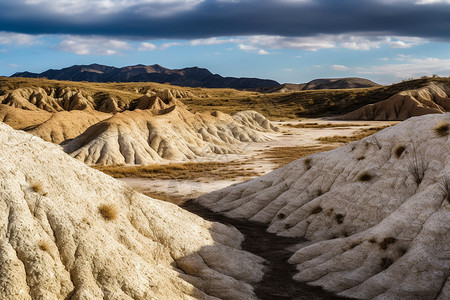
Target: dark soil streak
[277,283]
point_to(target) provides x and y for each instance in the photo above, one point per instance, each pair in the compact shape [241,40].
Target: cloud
[263,52]
[424,2]
[339,68]
[170,44]
[147,47]
[105,7]
[11,38]
[413,68]
[92,45]
[247,47]
[203,19]
[315,43]
[213,41]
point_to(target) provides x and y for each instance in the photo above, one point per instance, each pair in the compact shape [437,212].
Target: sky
[291,41]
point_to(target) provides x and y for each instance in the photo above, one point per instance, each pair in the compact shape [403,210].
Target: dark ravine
[277,283]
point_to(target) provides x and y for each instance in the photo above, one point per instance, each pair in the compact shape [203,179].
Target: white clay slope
[56,244]
[378,219]
[170,132]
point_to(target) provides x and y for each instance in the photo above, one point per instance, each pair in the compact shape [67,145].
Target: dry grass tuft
[356,137]
[339,218]
[324,125]
[109,211]
[399,150]
[188,171]
[282,156]
[384,244]
[281,216]
[45,245]
[38,187]
[364,177]
[316,210]
[442,129]
[386,262]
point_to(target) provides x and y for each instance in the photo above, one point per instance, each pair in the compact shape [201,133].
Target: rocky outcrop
[70,232]
[432,99]
[166,131]
[376,212]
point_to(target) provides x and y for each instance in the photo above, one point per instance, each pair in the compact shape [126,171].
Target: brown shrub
[109,211]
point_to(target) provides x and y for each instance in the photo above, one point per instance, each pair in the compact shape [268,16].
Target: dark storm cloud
[235,18]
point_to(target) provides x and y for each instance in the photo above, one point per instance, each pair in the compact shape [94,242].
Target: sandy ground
[253,156]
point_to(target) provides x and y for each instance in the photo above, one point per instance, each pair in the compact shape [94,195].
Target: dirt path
[277,283]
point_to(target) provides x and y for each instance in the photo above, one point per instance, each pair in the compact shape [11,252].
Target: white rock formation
[166,131]
[376,212]
[57,243]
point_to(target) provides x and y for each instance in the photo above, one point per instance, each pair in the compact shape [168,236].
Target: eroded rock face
[433,99]
[166,131]
[68,231]
[376,212]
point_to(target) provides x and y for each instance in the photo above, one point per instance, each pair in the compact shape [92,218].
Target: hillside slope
[376,212]
[70,232]
[432,99]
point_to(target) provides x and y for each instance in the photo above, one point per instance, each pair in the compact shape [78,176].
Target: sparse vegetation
[356,137]
[275,106]
[364,177]
[282,156]
[324,125]
[386,262]
[281,216]
[189,170]
[403,251]
[399,150]
[360,157]
[45,245]
[442,129]
[339,218]
[372,241]
[316,210]
[307,163]
[417,167]
[384,244]
[444,186]
[38,187]
[109,211]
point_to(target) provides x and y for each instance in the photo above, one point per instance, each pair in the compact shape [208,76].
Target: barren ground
[258,158]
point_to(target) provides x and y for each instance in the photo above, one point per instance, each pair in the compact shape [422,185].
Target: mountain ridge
[188,77]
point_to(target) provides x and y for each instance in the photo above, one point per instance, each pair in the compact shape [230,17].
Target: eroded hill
[69,231]
[376,212]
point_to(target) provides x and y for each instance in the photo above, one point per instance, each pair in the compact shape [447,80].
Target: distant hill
[189,77]
[322,84]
